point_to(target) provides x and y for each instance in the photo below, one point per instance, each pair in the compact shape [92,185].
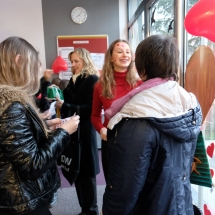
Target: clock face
[79,15]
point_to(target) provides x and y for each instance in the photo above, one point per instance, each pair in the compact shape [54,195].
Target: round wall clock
[79,15]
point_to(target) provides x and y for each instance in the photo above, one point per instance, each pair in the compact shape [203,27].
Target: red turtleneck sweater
[100,102]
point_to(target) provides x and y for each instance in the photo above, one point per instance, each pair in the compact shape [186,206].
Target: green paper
[53,92]
[205,178]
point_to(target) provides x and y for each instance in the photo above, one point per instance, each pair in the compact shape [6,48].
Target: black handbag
[70,158]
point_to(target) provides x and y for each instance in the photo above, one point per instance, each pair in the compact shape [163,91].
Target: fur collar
[8,96]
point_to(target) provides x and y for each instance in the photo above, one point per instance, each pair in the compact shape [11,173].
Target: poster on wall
[98,59]
[97,45]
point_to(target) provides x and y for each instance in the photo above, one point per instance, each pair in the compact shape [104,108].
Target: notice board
[97,45]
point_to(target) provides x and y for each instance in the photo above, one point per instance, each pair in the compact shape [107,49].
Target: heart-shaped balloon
[59,64]
[200,77]
[206,210]
[212,173]
[210,150]
[200,19]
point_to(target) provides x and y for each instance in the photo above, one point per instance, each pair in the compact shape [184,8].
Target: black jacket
[42,103]
[80,94]
[28,172]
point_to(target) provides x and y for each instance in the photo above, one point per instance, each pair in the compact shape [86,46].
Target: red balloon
[59,65]
[39,96]
[200,19]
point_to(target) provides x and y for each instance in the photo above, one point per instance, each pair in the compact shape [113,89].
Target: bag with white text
[70,158]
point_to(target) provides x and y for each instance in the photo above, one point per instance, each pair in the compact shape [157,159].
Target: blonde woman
[28,152]
[118,78]
[79,92]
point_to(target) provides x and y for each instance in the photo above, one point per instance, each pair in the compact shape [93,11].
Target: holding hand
[72,125]
[52,123]
[59,103]
[103,133]
[45,115]
[48,74]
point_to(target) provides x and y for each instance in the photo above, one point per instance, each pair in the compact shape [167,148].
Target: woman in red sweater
[117,79]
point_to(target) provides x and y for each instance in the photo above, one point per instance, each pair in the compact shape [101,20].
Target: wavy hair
[22,77]
[89,66]
[107,76]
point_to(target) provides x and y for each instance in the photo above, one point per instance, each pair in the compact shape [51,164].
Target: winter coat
[28,173]
[80,94]
[153,140]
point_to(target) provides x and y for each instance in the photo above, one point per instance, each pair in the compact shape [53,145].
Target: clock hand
[79,14]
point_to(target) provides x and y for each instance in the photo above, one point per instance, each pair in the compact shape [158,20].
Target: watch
[79,15]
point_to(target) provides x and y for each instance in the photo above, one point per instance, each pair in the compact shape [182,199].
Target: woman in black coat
[79,92]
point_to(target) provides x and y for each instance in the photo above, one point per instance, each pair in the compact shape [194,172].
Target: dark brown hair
[157,56]
[56,81]
[63,84]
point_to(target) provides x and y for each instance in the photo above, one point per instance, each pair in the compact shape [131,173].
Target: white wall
[23,18]
[123,23]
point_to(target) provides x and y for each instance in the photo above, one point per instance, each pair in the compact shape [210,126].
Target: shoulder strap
[78,113]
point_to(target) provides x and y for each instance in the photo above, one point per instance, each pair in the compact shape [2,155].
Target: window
[208,128]
[132,7]
[137,32]
[202,195]
[161,17]
[192,42]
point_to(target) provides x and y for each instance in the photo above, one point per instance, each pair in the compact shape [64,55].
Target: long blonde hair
[22,77]
[89,66]
[107,76]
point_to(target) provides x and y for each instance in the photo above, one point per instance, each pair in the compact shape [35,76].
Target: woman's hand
[59,103]
[71,125]
[52,123]
[46,115]
[103,133]
[48,74]
[49,100]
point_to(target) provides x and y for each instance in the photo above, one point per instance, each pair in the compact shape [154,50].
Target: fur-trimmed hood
[8,96]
